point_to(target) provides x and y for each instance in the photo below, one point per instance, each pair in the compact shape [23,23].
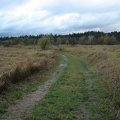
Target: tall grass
[39,61]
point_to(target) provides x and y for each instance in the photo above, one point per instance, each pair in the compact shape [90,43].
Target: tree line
[87,38]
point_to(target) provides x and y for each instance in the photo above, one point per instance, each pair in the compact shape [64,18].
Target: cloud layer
[22,17]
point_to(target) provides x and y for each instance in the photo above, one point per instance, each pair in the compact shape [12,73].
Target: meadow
[95,80]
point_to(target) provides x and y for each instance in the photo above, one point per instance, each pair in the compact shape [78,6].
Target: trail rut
[89,83]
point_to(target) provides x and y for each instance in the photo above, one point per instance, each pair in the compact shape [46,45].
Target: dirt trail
[89,86]
[23,107]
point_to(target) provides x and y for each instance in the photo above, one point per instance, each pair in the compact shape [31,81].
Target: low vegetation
[72,89]
[106,61]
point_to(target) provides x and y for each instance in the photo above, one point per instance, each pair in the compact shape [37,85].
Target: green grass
[117,55]
[69,96]
[3,106]
[95,101]
[17,95]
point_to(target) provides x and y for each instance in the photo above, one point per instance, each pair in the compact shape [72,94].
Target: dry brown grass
[106,61]
[18,63]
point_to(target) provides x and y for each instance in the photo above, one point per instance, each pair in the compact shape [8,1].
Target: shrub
[44,42]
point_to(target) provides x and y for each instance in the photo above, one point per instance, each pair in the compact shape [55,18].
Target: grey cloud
[20,17]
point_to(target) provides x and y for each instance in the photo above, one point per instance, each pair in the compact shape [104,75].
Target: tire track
[84,112]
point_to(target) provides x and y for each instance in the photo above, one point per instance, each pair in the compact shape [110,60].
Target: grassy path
[93,105]
[63,98]
[78,94]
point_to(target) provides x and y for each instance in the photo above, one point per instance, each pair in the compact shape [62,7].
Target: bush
[110,40]
[44,42]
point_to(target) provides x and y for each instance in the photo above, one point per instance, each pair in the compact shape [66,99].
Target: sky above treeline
[33,17]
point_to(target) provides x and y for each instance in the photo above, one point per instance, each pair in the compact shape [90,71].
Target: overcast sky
[20,17]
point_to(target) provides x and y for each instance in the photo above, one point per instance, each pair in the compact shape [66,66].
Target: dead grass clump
[4,81]
[25,68]
[95,58]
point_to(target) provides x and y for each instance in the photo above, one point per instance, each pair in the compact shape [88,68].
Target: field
[88,88]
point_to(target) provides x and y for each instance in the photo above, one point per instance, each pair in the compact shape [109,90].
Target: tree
[110,40]
[83,40]
[91,40]
[59,41]
[100,40]
[67,42]
[44,42]
[71,40]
